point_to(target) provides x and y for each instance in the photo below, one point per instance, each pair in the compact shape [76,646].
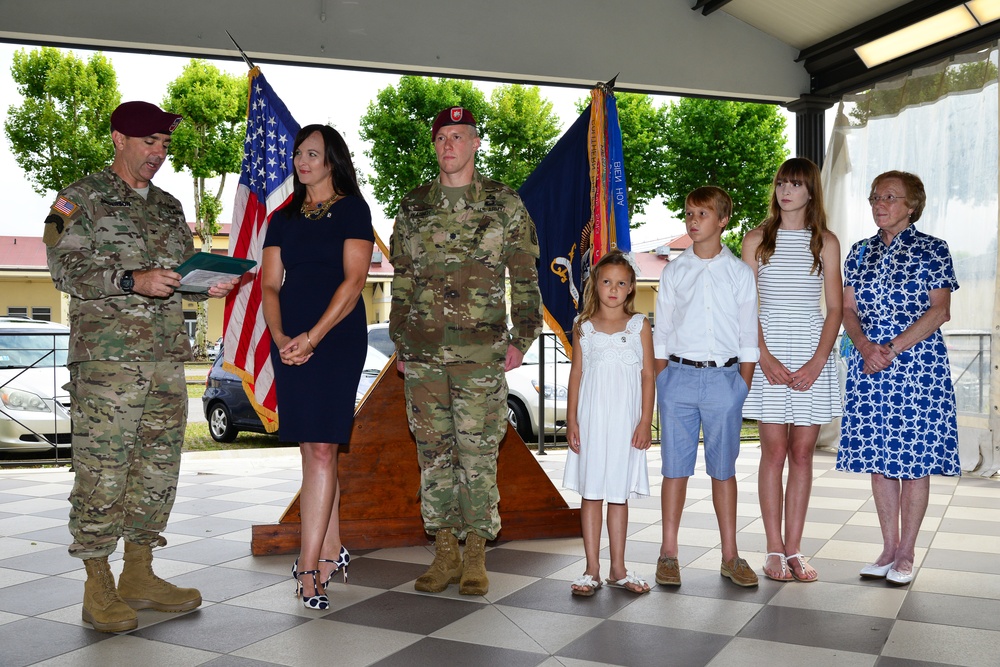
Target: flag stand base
[380,480]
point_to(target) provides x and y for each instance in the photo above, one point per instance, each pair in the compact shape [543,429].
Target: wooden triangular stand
[380,482]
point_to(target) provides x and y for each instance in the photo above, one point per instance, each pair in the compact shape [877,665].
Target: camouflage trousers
[458,415]
[128,430]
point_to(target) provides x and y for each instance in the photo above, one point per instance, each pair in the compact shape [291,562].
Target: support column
[810,131]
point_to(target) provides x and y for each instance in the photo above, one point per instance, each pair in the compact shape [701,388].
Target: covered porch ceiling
[766,50]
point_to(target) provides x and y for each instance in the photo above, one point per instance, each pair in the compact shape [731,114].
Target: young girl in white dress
[609,415]
[795,388]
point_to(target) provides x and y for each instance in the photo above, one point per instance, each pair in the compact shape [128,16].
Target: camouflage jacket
[98,228]
[448,292]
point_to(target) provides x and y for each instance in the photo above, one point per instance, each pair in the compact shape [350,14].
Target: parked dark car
[229,411]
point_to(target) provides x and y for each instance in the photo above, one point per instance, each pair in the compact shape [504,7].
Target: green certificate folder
[204,270]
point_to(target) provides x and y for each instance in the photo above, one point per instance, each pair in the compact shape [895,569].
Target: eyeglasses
[888,199]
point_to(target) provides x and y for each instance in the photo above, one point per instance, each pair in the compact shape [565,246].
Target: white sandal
[802,566]
[630,578]
[787,574]
[588,585]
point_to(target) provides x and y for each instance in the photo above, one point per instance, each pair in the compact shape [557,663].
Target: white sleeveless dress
[609,408]
[791,320]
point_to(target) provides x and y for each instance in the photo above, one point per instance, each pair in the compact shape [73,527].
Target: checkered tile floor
[949,615]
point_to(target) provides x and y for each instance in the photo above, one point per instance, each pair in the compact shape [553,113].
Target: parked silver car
[34,407]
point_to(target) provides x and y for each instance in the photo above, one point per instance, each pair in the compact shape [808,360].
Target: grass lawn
[197,439]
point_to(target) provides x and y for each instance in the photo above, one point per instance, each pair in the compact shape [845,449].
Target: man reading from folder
[113,241]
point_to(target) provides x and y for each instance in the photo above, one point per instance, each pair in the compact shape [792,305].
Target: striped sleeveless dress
[792,321]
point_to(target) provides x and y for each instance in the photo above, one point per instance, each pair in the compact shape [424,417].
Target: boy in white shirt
[705,340]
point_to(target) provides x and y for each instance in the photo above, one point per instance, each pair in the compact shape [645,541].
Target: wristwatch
[126,283]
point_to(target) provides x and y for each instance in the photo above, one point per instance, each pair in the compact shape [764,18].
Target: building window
[17,311]
[43,313]
[191,323]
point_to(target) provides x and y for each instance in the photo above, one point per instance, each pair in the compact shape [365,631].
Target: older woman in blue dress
[899,419]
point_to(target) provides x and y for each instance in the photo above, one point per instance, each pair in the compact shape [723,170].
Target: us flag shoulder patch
[65,206]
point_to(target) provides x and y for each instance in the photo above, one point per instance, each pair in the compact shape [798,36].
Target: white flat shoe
[898,578]
[874,571]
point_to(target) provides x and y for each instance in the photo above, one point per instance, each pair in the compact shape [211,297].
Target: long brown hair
[796,169]
[590,301]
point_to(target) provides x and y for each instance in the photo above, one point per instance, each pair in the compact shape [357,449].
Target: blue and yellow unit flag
[578,198]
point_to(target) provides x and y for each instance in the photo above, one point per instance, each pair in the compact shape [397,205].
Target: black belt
[703,364]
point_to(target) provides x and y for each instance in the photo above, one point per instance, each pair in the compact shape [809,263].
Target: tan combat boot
[447,566]
[103,608]
[474,579]
[141,589]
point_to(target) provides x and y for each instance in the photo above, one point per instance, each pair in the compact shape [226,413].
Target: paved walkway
[949,615]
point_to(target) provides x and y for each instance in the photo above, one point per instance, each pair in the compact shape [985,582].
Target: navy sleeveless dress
[316,399]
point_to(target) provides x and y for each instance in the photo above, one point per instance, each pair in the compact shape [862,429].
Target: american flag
[265,184]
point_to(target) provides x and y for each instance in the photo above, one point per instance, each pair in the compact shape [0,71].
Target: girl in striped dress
[795,388]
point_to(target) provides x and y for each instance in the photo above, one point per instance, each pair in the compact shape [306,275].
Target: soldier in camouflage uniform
[113,240]
[453,240]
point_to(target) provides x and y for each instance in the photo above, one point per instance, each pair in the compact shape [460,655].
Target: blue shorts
[708,399]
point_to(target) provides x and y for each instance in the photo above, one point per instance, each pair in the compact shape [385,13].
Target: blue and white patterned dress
[900,422]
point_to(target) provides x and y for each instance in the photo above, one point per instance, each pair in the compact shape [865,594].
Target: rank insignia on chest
[116,203]
[490,204]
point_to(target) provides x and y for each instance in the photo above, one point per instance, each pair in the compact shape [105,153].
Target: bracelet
[309,340]
[893,348]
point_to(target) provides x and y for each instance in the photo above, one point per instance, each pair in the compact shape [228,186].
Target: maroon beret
[141,119]
[452,116]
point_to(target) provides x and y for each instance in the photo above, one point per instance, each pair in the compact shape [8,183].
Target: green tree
[397,124]
[737,146]
[209,144]
[643,141]
[61,131]
[521,129]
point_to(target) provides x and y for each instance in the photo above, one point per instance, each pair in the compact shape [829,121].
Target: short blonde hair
[710,196]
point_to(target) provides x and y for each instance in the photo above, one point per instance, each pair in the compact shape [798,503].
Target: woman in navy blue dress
[899,419]
[316,257]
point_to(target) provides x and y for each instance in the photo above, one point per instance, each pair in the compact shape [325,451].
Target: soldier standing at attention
[113,240]
[453,240]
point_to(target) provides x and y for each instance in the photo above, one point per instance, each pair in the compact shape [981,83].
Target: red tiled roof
[22,252]
[679,243]
[650,265]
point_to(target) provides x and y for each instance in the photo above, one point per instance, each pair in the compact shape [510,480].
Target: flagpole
[249,62]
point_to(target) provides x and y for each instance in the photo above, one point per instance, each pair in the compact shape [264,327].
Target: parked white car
[524,390]
[213,351]
[34,407]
